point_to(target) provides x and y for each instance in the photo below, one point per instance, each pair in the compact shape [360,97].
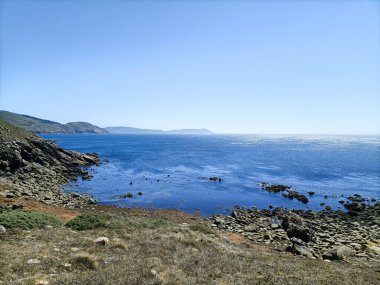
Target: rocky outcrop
[289,192]
[332,235]
[33,167]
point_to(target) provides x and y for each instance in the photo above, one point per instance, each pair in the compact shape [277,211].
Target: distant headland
[130,130]
[43,126]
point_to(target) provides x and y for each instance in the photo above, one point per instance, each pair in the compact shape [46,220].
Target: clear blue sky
[230,66]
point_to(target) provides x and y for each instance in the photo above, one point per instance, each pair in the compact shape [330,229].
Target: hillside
[42,126]
[130,130]
[36,168]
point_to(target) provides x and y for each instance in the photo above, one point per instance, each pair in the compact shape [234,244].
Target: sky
[277,67]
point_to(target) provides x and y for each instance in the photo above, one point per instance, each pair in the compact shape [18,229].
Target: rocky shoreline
[329,235]
[32,167]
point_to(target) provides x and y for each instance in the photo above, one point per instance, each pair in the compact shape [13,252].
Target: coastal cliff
[42,126]
[33,167]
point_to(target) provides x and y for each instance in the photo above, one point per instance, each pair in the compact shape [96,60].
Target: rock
[295,195]
[2,229]
[303,250]
[250,228]
[33,261]
[355,207]
[219,221]
[339,253]
[297,230]
[297,241]
[311,193]
[102,241]
[274,226]
[275,188]
[123,196]
[299,247]
[373,247]
[356,198]
[38,281]
[215,179]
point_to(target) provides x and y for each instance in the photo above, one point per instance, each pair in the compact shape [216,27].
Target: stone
[102,241]
[300,248]
[2,229]
[41,282]
[303,250]
[300,232]
[339,253]
[274,226]
[33,261]
[219,221]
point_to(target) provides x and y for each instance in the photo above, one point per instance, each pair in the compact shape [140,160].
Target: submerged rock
[215,178]
[275,188]
[295,195]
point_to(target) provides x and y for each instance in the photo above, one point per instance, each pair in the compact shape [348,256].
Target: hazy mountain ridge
[42,126]
[130,130]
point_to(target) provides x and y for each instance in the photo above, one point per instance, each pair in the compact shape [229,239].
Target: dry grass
[83,261]
[155,251]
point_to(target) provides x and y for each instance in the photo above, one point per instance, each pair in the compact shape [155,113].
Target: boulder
[339,253]
[298,231]
[300,248]
[2,229]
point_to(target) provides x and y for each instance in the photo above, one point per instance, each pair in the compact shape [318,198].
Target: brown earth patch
[33,205]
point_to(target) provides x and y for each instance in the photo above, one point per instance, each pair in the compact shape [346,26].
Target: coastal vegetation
[169,249]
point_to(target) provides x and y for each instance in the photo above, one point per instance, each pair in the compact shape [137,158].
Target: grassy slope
[45,126]
[145,249]
[10,132]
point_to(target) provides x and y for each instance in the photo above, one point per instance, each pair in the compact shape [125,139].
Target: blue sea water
[170,170]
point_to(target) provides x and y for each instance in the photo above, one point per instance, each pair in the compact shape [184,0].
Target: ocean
[172,171]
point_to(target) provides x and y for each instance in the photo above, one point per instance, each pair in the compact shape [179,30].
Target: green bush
[201,228]
[28,220]
[88,221]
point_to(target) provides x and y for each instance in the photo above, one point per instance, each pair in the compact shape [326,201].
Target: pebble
[33,261]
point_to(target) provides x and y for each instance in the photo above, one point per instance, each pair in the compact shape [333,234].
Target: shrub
[119,244]
[84,261]
[201,228]
[28,220]
[88,221]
